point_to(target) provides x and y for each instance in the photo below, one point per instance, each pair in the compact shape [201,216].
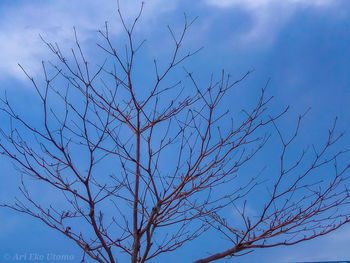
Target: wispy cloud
[20,27]
[256,4]
[268,16]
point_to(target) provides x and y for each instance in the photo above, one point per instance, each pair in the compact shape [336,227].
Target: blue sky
[302,45]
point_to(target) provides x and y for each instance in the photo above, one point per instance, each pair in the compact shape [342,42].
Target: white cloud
[268,15]
[255,4]
[20,27]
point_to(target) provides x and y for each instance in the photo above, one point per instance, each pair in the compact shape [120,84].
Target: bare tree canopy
[146,168]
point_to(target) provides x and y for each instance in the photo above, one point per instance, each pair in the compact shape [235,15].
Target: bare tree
[146,169]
